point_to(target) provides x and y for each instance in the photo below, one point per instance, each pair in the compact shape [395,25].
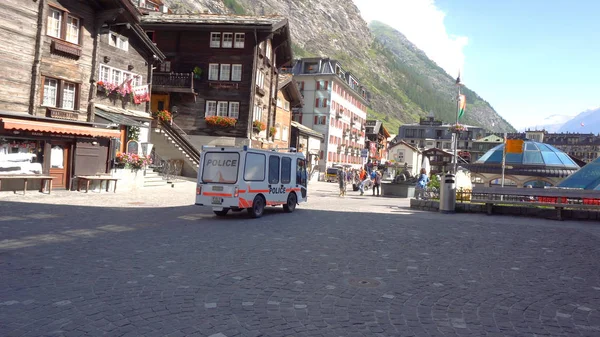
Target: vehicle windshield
[220,167]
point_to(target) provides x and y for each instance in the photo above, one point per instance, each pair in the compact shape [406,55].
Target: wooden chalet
[288,97]
[440,160]
[376,140]
[219,66]
[52,51]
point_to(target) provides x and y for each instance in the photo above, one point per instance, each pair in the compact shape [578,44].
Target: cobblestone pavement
[149,263]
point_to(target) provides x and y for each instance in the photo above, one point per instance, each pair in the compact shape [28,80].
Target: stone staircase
[171,143]
[153,178]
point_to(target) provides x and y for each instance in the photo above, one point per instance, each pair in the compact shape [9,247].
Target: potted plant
[197,73]
[163,115]
[258,126]
[457,128]
[272,131]
[220,121]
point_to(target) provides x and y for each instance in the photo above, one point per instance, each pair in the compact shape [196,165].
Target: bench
[101,179]
[557,198]
[45,180]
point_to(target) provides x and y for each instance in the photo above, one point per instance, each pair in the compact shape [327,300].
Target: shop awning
[117,118]
[36,126]
[132,114]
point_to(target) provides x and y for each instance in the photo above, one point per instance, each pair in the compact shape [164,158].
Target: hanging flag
[462,104]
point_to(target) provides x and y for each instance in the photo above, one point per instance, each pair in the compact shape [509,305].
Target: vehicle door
[301,178]
[277,191]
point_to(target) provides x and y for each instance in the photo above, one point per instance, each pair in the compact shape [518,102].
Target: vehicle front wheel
[258,207]
[292,201]
[222,213]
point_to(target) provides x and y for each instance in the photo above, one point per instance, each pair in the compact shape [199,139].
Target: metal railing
[169,169]
[180,137]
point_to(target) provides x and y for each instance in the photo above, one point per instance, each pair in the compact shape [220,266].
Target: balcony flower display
[457,128]
[258,126]
[111,88]
[163,115]
[220,121]
[272,131]
[132,161]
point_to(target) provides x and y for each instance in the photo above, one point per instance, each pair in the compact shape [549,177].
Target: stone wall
[544,213]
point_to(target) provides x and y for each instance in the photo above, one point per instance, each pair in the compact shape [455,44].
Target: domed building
[539,165]
[587,178]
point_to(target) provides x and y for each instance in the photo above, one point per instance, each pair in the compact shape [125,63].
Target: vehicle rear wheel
[292,201]
[222,213]
[258,207]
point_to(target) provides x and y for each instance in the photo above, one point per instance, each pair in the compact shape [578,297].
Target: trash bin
[448,194]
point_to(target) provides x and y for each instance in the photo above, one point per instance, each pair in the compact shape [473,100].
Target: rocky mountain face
[585,122]
[403,82]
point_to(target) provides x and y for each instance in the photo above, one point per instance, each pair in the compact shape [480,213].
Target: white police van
[238,178]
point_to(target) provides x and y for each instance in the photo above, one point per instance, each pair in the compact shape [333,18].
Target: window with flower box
[222,109]
[115,76]
[234,109]
[60,94]
[62,25]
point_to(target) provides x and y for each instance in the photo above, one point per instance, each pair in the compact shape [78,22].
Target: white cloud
[423,24]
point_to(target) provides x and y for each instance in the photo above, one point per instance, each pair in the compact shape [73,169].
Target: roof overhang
[307,131]
[132,114]
[520,170]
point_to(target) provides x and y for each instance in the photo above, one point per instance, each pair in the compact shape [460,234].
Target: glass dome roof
[534,154]
[588,177]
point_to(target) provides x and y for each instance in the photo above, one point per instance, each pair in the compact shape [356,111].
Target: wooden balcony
[173,82]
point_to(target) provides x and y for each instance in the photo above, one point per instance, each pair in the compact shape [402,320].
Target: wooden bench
[557,198]
[101,179]
[45,180]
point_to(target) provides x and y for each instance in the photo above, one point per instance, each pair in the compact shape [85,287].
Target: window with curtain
[213,72]
[225,72]
[68,98]
[236,72]
[234,109]
[54,23]
[72,29]
[222,109]
[211,108]
[50,91]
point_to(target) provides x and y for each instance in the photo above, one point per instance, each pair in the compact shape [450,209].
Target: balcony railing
[173,82]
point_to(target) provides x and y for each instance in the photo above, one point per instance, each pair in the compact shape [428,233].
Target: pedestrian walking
[421,184]
[342,181]
[376,182]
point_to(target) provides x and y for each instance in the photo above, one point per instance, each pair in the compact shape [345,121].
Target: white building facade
[335,104]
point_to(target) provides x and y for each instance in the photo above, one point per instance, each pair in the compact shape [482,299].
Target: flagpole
[456,133]
[504,158]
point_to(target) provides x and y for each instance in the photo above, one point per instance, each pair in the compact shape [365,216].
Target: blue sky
[529,59]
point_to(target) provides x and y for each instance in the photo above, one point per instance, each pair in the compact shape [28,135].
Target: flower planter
[128,179]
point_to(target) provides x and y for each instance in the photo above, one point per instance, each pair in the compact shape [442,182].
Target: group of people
[359,178]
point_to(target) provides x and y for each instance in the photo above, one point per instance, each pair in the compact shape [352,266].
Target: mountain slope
[401,91]
[551,123]
[590,120]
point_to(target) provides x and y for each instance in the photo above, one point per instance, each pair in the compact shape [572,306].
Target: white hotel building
[335,104]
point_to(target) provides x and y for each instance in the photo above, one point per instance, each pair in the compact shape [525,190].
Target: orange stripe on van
[257,191]
[212,194]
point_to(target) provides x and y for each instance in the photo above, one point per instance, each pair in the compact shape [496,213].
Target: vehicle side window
[273,170]
[286,170]
[254,169]
[301,172]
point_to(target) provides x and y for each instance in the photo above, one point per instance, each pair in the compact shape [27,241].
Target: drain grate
[364,282]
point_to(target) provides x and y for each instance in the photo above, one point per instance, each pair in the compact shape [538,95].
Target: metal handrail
[186,145]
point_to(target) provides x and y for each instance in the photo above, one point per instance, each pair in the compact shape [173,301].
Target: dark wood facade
[186,42]
[50,61]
